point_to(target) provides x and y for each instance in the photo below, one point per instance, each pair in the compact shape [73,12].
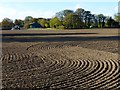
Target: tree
[101,20]
[19,22]
[60,15]
[55,22]
[117,17]
[67,12]
[63,14]
[7,24]
[44,23]
[94,22]
[27,21]
[80,13]
[110,22]
[34,20]
[72,21]
[87,17]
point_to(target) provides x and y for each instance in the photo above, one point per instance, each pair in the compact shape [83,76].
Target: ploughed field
[65,60]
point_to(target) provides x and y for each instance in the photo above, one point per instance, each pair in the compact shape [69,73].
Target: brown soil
[74,60]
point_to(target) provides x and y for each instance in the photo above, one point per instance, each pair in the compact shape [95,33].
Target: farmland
[61,59]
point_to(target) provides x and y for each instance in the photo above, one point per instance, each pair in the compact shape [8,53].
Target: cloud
[77,6]
[7,12]
[13,13]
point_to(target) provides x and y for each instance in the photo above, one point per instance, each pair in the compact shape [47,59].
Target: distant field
[98,31]
[61,59]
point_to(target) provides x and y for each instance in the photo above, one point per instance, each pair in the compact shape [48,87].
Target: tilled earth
[61,65]
[69,65]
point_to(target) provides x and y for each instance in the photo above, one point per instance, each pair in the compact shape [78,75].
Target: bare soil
[61,60]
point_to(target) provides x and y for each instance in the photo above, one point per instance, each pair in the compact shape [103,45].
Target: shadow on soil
[57,39]
[44,34]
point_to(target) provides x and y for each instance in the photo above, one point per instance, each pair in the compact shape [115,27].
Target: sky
[19,9]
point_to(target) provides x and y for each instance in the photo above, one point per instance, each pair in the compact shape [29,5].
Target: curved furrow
[67,63]
[43,46]
[62,70]
[102,79]
[76,74]
[82,72]
[112,76]
[13,62]
[51,65]
[85,78]
[58,64]
[66,70]
[15,56]
[96,76]
[94,71]
[60,75]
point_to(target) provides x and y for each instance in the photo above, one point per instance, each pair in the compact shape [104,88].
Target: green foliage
[28,19]
[63,14]
[34,20]
[7,23]
[117,17]
[19,22]
[110,22]
[72,21]
[55,22]
[47,25]
[80,12]
[87,16]
[44,23]
[101,20]
[61,27]
[80,18]
[67,12]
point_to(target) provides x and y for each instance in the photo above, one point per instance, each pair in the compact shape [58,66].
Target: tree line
[67,19]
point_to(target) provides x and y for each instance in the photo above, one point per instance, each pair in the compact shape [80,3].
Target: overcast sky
[18,9]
